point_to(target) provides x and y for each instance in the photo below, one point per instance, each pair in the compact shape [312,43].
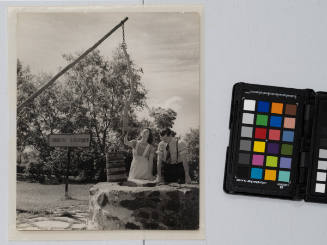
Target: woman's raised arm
[131,143]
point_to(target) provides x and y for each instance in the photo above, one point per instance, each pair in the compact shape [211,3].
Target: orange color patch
[277,108]
[270,174]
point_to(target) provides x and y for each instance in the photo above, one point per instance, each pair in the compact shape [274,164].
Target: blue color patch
[275,121]
[288,136]
[263,106]
[284,176]
[256,173]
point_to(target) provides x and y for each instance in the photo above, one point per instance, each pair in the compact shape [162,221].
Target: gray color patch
[246,132]
[323,142]
[245,145]
[244,158]
[322,153]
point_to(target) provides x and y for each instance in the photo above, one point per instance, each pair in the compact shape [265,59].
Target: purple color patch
[257,160]
[285,162]
[273,148]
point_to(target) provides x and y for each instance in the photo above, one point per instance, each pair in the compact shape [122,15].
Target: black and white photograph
[108,120]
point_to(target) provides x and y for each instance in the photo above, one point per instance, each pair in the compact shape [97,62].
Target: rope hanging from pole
[131,82]
[123,31]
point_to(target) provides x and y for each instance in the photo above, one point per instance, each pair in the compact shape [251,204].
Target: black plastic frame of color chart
[271,189]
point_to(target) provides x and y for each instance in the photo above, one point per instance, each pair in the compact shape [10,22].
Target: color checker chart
[278,143]
[266,141]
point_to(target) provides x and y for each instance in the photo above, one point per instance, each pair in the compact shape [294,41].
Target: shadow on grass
[70,198]
[45,213]
[67,214]
[34,212]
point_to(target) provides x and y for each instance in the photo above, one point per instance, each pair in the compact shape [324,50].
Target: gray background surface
[276,42]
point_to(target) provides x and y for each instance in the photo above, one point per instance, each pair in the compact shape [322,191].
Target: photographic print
[108,120]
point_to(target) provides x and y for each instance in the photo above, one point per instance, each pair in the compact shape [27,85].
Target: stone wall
[173,207]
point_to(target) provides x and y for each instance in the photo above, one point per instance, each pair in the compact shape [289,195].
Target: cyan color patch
[284,176]
[288,136]
[256,173]
[275,121]
[263,106]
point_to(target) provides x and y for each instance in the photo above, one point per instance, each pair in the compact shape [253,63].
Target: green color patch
[287,149]
[262,120]
[271,161]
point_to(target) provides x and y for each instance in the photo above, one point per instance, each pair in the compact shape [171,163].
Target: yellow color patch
[259,146]
[270,174]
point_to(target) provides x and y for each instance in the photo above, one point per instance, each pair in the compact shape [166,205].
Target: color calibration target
[266,143]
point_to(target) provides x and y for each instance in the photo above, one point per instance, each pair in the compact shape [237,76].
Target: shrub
[20,169]
[35,172]
[192,139]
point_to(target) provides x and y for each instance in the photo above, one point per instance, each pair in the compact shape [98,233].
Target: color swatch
[266,141]
[321,174]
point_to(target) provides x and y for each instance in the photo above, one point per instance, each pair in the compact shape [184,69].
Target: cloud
[173,103]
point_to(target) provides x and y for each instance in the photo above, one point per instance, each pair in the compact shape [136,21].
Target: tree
[163,118]
[89,99]
[48,118]
[38,119]
[98,89]
[25,88]
[192,140]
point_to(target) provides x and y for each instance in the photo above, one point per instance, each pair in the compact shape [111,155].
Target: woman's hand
[126,142]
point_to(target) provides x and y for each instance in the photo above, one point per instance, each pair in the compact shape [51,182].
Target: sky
[165,45]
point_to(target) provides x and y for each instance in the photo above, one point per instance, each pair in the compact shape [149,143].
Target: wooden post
[107,167]
[67,173]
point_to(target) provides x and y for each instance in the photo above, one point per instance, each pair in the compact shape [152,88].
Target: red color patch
[260,133]
[274,134]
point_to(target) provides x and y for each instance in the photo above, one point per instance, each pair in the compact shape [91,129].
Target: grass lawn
[33,197]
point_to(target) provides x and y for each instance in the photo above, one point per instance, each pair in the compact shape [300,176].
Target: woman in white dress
[143,152]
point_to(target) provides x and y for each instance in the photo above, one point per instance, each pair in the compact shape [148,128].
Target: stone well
[113,206]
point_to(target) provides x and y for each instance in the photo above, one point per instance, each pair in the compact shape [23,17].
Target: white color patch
[320,188]
[321,176]
[248,118]
[322,165]
[249,105]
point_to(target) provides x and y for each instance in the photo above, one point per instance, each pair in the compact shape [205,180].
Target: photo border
[14,234]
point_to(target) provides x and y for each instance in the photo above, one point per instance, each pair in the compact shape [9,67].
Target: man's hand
[188,179]
[159,179]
